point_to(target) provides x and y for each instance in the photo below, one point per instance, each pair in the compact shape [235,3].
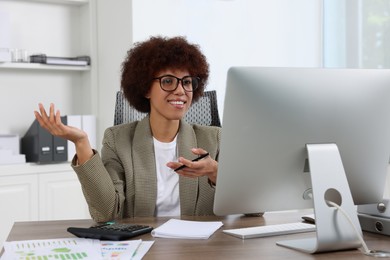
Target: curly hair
[148,58]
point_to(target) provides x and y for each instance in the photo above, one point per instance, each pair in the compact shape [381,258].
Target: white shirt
[168,202]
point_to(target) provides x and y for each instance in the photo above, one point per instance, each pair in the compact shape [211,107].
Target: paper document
[142,250]
[175,228]
[75,248]
[67,248]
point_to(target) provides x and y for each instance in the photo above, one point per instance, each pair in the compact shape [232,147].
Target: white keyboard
[271,230]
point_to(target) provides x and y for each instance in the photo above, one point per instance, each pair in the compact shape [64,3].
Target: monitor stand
[329,182]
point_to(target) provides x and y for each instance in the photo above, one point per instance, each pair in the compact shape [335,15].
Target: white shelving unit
[66,28]
[62,28]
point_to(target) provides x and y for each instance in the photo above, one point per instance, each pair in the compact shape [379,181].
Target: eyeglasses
[170,83]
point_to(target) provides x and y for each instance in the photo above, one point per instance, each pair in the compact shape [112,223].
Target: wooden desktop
[218,246]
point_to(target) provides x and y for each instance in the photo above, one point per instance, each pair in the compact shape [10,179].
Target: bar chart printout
[53,249]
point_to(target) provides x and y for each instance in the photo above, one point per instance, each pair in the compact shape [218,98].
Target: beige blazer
[122,181]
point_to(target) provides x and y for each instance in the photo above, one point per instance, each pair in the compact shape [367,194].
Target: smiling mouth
[177,102]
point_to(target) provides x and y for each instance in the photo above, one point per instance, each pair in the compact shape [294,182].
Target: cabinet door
[61,197]
[18,201]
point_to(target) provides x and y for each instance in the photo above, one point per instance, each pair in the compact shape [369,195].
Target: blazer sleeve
[102,181]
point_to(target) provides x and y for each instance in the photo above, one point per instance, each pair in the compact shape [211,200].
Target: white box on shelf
[8,157]
[10,142]
[5,55]
[75,121]
[88,124]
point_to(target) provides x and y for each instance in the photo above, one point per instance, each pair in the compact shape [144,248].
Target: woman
[135,173]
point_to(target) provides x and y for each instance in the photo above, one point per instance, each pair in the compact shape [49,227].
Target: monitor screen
[271,114]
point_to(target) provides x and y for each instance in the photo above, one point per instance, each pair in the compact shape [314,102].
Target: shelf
[66,2]
[38,66]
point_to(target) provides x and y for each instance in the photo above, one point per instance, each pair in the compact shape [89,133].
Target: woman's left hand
[194,169]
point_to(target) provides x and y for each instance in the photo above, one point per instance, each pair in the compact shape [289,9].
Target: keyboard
[271,230]
[110,231]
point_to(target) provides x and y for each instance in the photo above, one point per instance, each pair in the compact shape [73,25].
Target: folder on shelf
[60,146]
[74,61]
[37,144]
[42,147]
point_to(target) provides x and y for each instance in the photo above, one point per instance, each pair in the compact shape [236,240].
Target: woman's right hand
[53,124]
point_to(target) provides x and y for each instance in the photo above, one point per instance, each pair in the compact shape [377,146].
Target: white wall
[238,32]
[114,28]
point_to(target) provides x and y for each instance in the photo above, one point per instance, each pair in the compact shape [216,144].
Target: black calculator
[111,231]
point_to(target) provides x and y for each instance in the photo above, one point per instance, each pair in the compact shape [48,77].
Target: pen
[194,160]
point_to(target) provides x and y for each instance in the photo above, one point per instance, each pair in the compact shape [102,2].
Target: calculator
[111,231]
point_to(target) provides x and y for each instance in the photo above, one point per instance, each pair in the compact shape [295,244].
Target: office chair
[203,112]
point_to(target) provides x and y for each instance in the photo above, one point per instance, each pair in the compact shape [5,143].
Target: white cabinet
[18,201]
[39,192]
[61,197]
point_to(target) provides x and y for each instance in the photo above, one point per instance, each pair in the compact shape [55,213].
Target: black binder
[42,147]
[60,146]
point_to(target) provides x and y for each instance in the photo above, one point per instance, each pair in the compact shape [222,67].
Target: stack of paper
[175,228]
[75,248]
[10,149]
[7,157]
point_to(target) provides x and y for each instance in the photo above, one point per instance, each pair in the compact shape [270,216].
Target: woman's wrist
[213,176]
[83,150]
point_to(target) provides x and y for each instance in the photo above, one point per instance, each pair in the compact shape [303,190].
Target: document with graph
[48,249]
[75,248]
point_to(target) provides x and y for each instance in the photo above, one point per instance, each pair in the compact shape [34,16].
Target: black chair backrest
[203,112]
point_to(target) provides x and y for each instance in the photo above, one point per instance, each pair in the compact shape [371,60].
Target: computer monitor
[274,116]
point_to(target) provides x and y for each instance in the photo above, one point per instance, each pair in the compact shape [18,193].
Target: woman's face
[169,105]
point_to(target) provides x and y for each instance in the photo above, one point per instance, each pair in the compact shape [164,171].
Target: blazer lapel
[188,186]
[144,170]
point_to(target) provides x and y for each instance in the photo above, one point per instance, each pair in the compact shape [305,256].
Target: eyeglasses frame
[179,80]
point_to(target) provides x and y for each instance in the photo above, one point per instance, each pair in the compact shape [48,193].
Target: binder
[37,144]
[60,146]
[42,147]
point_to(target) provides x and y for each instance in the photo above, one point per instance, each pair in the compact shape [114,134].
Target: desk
[218,246]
